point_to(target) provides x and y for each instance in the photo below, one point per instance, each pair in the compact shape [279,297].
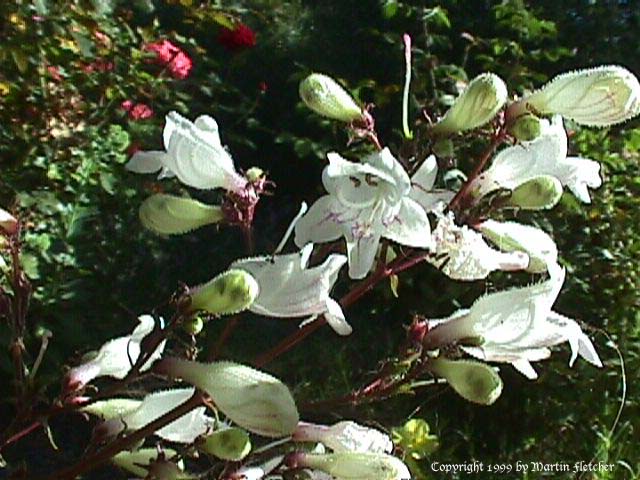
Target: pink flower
[137,111]
[100,65]
[237,39]
[54,72]
[173,57]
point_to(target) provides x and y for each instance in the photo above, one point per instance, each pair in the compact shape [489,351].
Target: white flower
[462,254]
[546,155]
[255,400]
[183,430]
[116,357]
[354,466]
[366,201]
[596,97]
[513,236]
[194,154]
[139,462]
[289,289]
[346,436]
[515,326]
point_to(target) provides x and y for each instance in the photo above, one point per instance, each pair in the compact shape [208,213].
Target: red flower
[172,56]
[99,65]
[137,111]
[237,39]
[54,72]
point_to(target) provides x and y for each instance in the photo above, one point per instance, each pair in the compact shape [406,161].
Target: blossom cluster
[380,213]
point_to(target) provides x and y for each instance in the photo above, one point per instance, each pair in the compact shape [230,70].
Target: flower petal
[319,224]
[335,318]
[410,226]
[362,251]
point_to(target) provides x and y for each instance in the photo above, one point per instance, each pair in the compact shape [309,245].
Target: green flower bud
[171,215]
[526,128]
[414,439]
[230,292]
[596,97]
[539,193]
[473,381]
[232,444]
[355,466]
[323,95]
[254,174]
[193,325]
[477,105]
[252,399]
[112,408]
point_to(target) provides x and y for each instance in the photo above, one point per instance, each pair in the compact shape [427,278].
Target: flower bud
[525,128]
[539,193]
[230,292]
[323,95]
[354,466]
[232,444]
[415,439]
[112,408]
[596,97]
[513,237]
[254,174]
[477,105]
[171,215]
[253,399]
[473,381]
[193,325]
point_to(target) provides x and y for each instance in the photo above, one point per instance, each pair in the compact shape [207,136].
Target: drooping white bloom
[546,155]
[422,186]
[366,201]
[194,154]
[516,326]
[289,289]
[345,436]
[513,236]
[354,466]
[183,430]
[140,462]
[596,97]
[462,254]
[116,357]
[253,399]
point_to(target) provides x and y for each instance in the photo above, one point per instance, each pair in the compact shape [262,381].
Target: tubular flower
[115,358]
[546,155]
[289,289]
[194,154]
[462,254]
[353,466]
[596,97]
[366,201]
[344,436]
[183,430]
[516,326]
